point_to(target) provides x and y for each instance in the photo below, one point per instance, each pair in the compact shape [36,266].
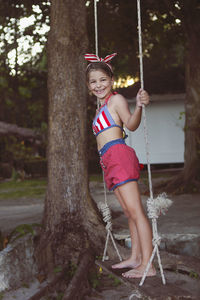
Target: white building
[165,124]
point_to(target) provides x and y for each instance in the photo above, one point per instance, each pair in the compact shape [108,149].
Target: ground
[180,247]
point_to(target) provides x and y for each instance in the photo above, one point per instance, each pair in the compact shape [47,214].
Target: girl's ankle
[135,258]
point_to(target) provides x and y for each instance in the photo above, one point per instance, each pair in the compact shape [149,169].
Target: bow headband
[95,58]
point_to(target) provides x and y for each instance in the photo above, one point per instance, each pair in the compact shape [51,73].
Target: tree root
[178,184]
[42,292]
[79,286]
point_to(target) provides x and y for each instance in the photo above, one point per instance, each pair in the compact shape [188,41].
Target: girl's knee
[127,214]
[135,215]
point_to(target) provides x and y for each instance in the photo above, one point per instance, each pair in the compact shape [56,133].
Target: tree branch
[13,129]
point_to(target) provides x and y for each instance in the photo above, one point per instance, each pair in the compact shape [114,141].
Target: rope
[140,45]
[143,107]
[107,218]
[105,210]
[151,206]
[96,26]
[96,35]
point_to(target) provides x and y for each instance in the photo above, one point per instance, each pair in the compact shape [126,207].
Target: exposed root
[79,286]
[179,185]
[45,288]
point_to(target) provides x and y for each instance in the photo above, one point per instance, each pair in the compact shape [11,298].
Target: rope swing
[104,208]
[159,205]
[155,207]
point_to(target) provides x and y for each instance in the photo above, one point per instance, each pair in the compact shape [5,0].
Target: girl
[118,161]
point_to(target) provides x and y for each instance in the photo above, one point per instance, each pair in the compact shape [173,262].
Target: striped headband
[95,58]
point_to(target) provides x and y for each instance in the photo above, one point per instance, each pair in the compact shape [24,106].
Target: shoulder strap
[107,99]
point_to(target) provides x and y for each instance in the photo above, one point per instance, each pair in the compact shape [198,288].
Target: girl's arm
[132,121]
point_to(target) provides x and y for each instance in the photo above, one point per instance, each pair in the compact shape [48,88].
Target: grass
[144,174]
[36,188]
[20,189]
[30,188]
[96,177]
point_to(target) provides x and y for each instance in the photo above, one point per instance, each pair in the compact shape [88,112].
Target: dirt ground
[180,248]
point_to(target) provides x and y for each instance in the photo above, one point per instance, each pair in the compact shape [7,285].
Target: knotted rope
[105,210]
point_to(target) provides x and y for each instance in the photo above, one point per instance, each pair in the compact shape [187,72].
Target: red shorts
[119,163]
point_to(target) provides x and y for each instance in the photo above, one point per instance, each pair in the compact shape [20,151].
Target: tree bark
[189,179]
[79,286]
[192,103]
[70,222]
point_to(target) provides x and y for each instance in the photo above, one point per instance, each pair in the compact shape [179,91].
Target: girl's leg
[129,192]
[135,258]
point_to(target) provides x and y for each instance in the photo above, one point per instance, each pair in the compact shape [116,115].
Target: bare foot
[129,263]
[138,273]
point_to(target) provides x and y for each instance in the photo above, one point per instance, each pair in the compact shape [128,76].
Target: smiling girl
[119,161]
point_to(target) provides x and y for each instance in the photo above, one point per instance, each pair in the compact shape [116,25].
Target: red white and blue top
[103,120]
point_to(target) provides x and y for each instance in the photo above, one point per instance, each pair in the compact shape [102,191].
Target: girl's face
[100,84]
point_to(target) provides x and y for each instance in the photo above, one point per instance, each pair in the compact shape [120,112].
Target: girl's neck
[104,101]
[101,101]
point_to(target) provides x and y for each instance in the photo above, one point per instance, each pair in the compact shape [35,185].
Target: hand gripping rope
[154,206]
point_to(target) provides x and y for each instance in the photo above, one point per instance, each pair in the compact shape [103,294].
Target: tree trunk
[70,223]
[189,179]
[192,104]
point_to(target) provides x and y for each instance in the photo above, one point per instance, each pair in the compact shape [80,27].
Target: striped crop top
[103,120]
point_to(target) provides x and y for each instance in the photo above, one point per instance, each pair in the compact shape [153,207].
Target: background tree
[189,12]
[184,23]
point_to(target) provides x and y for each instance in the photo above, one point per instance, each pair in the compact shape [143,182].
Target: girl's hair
[102,66]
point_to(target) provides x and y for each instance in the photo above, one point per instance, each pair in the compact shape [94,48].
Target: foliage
[23,71]
[72,267]
[17,233]
[57,269]
[96,177]
[60,296]
[16,150]
[163,42]
[98,278]
[194,275]
[116,281]
[22,74]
